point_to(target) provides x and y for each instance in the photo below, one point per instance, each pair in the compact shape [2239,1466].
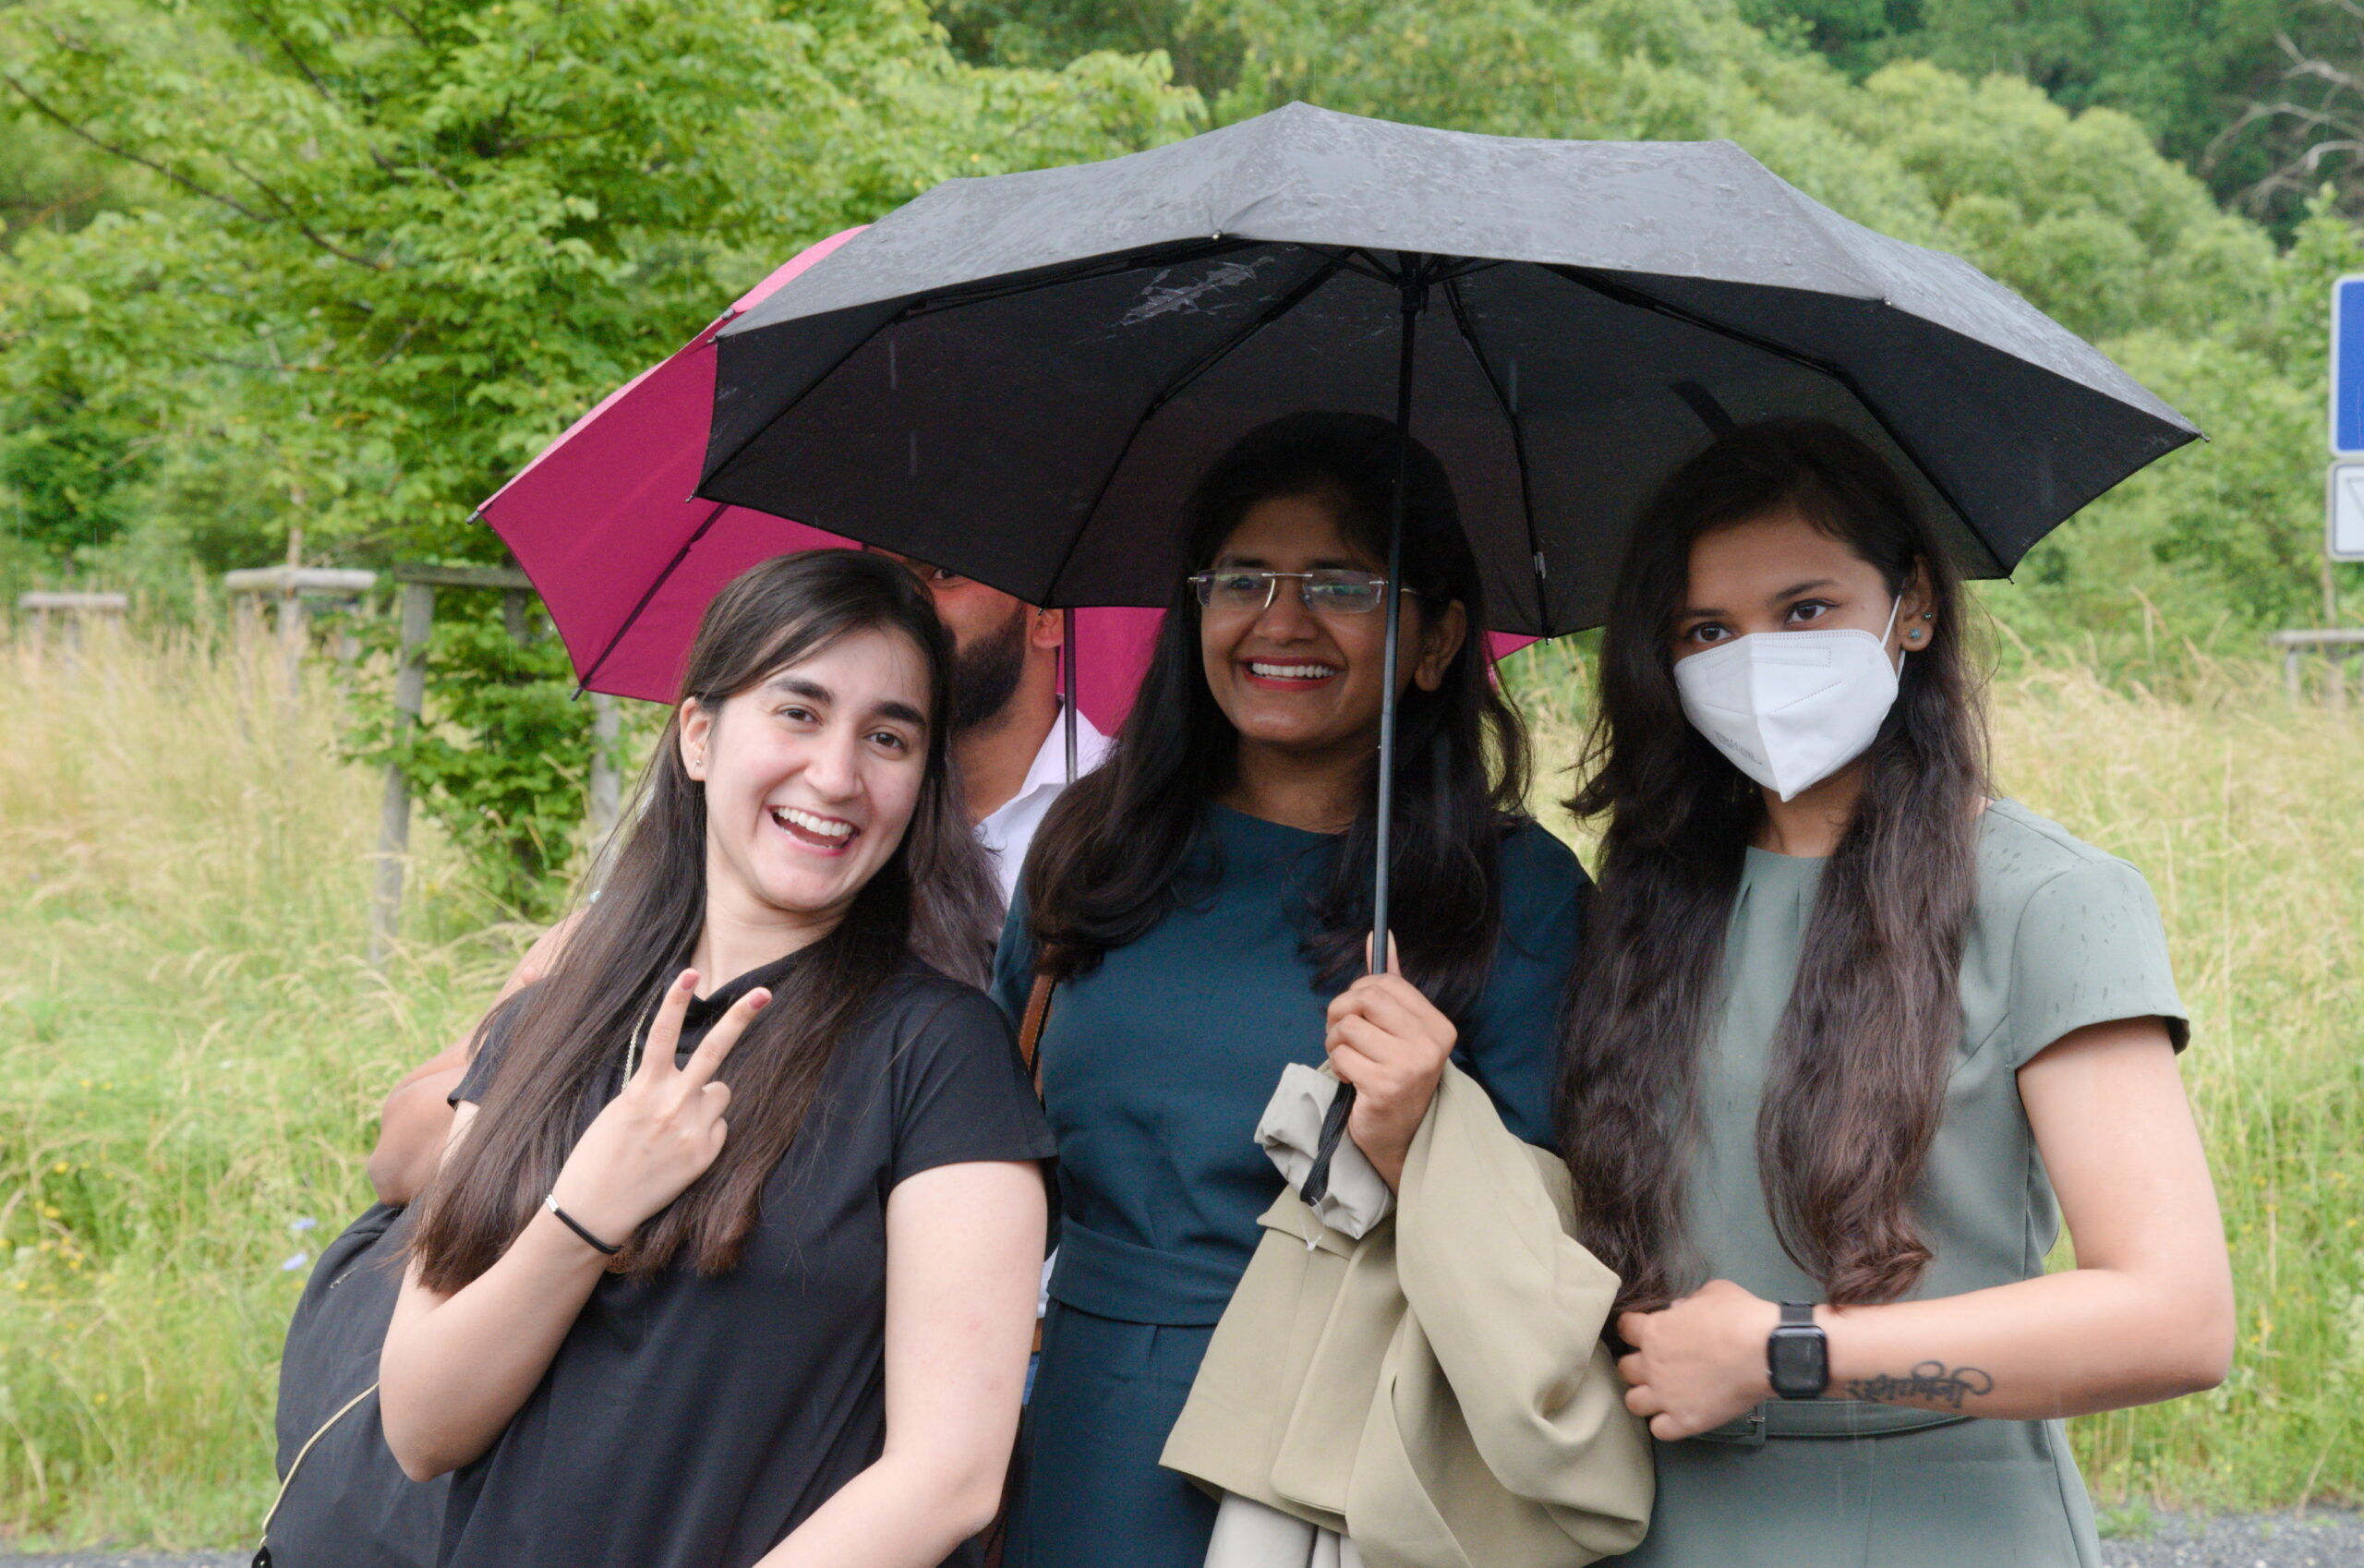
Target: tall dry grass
[2247,813]
[192,1051]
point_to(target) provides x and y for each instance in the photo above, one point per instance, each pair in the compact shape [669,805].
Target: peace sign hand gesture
[652,1141]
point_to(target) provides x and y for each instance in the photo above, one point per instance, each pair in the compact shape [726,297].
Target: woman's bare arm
[964,1253]
[2146,1314]
[415,1120]
[456,1367]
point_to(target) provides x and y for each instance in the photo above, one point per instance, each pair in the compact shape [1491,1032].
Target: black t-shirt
[692,1423]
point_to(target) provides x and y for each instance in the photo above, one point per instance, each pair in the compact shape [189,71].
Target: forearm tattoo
[1929,1381]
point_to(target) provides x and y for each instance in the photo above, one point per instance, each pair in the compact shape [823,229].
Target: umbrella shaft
[1414,300]
[1066,681]
[1342,1104]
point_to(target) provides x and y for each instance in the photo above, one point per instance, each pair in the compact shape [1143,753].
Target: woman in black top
[705,1282]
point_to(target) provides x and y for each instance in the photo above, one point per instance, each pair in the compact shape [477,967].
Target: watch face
[1799,1362]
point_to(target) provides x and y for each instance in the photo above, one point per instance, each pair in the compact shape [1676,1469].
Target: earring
[1913,635]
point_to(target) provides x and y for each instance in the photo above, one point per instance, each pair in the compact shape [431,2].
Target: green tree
[1196,35]
[2256,96]
[2078,210]
[410,244]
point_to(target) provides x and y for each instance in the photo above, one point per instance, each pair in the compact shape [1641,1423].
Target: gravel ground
[2322,1538]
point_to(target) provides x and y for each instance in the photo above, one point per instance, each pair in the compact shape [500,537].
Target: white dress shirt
[1007,832]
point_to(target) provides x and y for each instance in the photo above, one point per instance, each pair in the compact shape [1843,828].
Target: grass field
[191,1051]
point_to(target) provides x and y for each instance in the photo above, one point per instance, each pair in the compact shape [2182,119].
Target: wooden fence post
[74,607]
[607,791]
[2335,645]
[291,619]
[393,819]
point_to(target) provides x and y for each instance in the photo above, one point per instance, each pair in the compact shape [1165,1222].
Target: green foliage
[1854,34]
[357,265]
[49,180]
[2211,81]
[71,464]
[389,252]
[2075,211]
[501,766]
[1196,35]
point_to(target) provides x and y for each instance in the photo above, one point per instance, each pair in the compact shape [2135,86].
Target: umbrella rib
[1182,382]
[986,292]
[1370,266]
[1223,351]
[661,579]
[1635,298]
[1518,448]
[1467,267]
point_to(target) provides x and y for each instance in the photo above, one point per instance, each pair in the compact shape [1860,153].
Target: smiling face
[811,777]
[1306,683]
[1779,573]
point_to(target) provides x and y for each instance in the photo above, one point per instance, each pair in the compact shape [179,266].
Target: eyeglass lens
[1330,590]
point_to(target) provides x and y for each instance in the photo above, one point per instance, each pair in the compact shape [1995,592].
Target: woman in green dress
[1203,902]
[1848,1042]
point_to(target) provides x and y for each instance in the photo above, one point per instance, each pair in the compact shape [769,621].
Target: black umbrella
[1019,377]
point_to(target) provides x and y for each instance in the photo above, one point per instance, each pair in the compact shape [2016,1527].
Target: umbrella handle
[1316,1185]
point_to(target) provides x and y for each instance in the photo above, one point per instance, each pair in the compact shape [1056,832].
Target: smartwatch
[1797,1353]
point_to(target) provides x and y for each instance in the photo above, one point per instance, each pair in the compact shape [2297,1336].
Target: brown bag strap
[1030,1033]
[1029,1050]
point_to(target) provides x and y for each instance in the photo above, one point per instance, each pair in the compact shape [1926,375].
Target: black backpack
[342,1500]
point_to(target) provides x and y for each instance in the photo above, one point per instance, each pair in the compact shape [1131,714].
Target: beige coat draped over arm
[1437,1391]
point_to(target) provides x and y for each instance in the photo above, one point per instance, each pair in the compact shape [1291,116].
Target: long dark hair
[566,1036]
[1857,1083]
[1122,847]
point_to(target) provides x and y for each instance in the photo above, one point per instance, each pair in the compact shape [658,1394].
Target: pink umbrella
[626,558]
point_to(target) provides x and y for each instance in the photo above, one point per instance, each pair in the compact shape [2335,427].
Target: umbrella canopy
[626,558]
[1019,376]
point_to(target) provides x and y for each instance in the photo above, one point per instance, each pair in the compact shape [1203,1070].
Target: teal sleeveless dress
[1155,1068]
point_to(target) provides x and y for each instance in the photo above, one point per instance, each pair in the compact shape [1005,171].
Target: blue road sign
[2347,366]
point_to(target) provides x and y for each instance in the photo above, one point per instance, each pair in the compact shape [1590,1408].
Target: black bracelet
[571,1223]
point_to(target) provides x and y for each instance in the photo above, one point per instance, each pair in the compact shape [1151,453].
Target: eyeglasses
[1329,591]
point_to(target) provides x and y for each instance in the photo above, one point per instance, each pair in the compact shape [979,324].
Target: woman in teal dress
[1849,1041]
[1201,903]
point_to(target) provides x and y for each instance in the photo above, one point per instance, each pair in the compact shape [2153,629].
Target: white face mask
[1792,708]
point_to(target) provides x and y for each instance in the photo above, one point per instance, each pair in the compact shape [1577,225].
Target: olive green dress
[2062,936]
